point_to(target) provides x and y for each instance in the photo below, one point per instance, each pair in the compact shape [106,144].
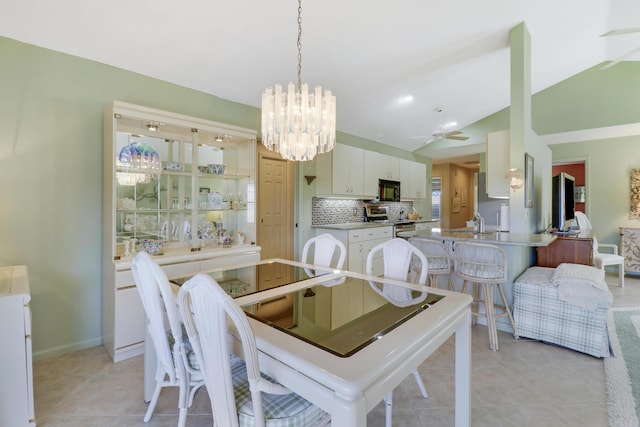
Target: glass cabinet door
[184,185]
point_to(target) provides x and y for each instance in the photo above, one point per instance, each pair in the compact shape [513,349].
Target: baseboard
[68,348]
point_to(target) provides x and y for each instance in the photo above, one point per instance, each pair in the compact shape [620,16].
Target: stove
[403,226]
[380,214]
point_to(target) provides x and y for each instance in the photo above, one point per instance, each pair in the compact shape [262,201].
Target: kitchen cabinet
[497,164]
[354,299]
[179,187]
[341,172]
[413,180]
[379,166]
[16,367]
[427,225]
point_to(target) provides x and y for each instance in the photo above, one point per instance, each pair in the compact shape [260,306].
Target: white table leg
[463,374]
[349,414]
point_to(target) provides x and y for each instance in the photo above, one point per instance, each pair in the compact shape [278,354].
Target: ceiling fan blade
[458,137]
[621,31]
[452,133]
[620,58]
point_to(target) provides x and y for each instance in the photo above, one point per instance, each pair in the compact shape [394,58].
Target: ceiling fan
[445,131]
[618,32]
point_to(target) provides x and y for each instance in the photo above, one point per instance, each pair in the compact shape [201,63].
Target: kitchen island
[520,249]
[494,237]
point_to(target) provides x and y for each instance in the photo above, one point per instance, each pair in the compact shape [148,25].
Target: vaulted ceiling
[372,54]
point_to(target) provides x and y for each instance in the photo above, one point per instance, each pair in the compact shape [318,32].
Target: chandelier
[298,124]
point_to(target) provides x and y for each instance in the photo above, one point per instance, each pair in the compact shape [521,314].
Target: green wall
[51,166]
[592,99]
[51,177]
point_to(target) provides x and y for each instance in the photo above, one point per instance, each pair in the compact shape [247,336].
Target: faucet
[478,223]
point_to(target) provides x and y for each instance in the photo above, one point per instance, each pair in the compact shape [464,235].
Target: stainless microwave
[388,191]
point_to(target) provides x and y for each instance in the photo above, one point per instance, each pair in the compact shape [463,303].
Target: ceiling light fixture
[406,99]
[298,124]
[153,127]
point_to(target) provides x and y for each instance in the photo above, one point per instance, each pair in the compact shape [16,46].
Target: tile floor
[525,383]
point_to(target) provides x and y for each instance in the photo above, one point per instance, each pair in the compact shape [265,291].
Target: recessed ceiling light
[152,127]
[406,98]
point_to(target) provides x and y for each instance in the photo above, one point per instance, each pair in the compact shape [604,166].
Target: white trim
[592,134]
[67,348]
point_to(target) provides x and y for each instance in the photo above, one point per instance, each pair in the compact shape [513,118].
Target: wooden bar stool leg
[433,280]
[475,309]
[508,311]
[491,315]
[451,288]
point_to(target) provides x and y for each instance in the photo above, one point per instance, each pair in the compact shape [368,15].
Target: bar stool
[438,258]
[485,267]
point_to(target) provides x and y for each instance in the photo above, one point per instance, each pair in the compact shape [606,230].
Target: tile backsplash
[341,211]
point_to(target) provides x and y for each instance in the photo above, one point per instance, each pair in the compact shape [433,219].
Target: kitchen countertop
[354,225]
[358,225]
[467,234]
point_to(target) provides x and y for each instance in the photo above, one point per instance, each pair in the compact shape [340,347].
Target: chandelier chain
[299,44]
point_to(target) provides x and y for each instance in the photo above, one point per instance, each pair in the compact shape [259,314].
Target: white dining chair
[177,365]
[397,257]
[601,260]
[240,394]
[327,251]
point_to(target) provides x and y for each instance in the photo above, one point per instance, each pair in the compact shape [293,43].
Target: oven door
[401,227]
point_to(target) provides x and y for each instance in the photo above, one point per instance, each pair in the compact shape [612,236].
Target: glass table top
[310,320]
[235,279]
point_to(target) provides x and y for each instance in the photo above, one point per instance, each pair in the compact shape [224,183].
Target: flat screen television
[563,203]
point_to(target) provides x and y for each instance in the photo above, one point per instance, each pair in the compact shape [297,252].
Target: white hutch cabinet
[179,186]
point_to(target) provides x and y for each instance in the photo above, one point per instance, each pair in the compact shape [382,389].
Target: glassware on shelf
[141,163]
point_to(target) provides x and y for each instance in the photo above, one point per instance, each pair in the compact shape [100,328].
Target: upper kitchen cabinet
[341,172]
[497,164]
[178,187]
[379,166]
[413,180]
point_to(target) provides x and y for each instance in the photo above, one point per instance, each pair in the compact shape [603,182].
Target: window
[436,185]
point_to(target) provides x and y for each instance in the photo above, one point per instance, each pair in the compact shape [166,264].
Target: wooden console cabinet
[574,249]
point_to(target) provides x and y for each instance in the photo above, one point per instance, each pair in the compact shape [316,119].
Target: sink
[462,231]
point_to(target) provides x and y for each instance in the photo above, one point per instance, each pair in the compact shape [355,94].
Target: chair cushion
[191,356]
[481,271]
[289,410]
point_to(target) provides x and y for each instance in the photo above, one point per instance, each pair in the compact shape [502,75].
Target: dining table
[345,367]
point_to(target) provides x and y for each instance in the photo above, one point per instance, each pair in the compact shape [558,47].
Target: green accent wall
[51,177]
[51,166]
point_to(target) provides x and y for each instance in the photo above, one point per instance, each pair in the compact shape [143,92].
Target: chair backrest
[585,224]
[436,252]
[397,255]
[324,251]
[583,221]
[206,311]
[160,307]
[480,262]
